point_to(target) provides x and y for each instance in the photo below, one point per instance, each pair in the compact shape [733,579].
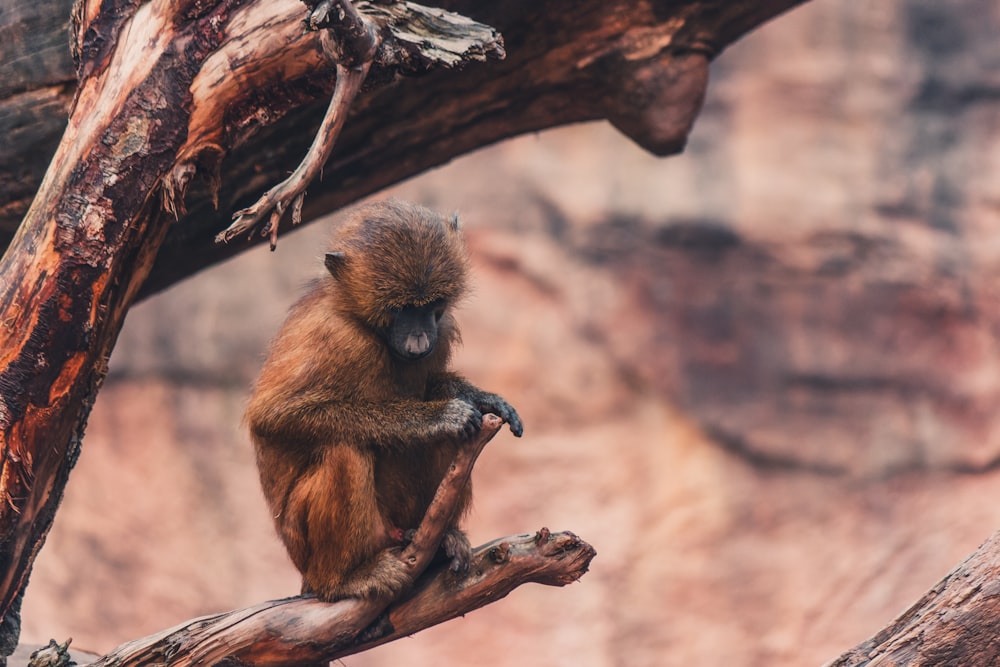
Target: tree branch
[304,630]
[957,622]
[552,559]
[639,62]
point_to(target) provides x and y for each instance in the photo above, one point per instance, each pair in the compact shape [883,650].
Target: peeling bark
[641,64]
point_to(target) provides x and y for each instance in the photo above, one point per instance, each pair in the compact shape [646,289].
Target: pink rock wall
[759,377]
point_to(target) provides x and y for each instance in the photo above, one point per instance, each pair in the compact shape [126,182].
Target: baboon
[355,417]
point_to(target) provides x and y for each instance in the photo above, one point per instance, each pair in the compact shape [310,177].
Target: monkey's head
[399,267]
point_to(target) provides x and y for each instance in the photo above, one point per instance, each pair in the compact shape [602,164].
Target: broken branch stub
[398,38]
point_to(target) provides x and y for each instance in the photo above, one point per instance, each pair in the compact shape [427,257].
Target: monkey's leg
[348,542]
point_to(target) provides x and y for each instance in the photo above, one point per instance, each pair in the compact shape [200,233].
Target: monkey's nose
[417,344]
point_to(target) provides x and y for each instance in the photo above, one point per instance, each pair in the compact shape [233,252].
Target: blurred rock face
[760,377]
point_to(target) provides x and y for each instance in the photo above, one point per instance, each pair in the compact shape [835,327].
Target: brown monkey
[355,417]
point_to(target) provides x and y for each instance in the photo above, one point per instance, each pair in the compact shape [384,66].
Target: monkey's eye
[438,308]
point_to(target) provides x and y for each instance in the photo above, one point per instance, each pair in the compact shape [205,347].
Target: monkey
[356,417]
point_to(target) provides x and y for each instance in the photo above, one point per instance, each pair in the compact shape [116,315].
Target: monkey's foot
[456,546]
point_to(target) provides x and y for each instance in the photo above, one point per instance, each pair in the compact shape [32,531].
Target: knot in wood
[499,553]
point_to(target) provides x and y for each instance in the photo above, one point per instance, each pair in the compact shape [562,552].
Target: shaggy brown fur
[355,417]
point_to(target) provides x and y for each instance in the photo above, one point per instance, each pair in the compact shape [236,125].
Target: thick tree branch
[303,630]
[957,622]
[642,64]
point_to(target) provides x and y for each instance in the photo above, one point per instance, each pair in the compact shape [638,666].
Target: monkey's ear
[334,262]
[453,222]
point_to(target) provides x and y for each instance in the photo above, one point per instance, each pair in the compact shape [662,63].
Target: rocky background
[760,378]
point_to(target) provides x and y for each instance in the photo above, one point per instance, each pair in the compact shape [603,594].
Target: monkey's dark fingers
[473,426]
[513,421]
[505,411]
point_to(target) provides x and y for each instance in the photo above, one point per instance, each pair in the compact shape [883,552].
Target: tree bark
[957,622]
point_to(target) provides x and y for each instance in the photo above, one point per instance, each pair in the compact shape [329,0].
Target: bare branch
[955,623]
[351,40]
[552,559]
[292,190]
[305,630]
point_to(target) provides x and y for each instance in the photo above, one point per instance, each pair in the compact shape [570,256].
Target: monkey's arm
[311,417]
[451,386]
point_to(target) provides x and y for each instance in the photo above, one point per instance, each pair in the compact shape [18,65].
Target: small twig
[292,189]
[351,42]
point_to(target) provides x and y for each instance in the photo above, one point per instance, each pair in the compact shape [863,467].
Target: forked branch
[351,42]
[304,630]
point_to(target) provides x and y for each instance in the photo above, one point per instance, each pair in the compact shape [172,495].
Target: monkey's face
[413,332]
[398,268]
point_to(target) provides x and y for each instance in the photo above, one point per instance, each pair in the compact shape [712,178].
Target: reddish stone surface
[760,378]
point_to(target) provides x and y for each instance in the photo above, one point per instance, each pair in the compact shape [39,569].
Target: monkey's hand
[460,419]
[494,403]
[451,386]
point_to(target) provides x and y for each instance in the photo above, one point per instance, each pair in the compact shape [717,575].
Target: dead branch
[552,559]
[350,39]
[640,62]
[292,190]
[304,630]
[351,42]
